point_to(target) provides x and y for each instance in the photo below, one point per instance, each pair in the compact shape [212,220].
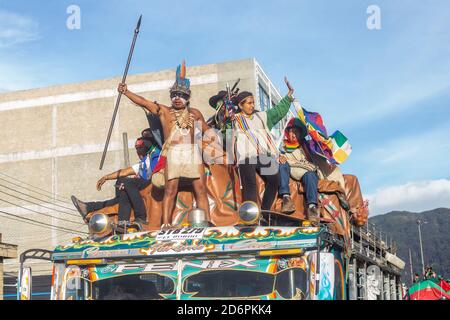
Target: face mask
[184,101]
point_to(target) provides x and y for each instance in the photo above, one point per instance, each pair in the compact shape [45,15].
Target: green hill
[402,226]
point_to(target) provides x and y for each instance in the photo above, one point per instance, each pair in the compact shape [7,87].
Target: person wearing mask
[129,182]
[182,156]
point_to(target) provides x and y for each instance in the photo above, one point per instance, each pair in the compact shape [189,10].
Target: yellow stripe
[85,261]
[279,252]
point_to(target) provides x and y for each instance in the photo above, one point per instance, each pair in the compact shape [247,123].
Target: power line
[62,237]
[52,198]
[70,214]
[46,191]
[43,223]
[39,223]
[35,235]
[17,219]
[41,213]
[30,237]
[60,234]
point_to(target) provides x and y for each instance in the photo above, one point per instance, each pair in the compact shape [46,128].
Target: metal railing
[370,241]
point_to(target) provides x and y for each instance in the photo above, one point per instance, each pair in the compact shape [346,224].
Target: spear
[235,85]
[136,32]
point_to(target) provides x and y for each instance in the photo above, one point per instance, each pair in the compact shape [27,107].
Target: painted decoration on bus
[321,281]
[25,284]
[340,282]
[213,240]
[326,290]
[96,273]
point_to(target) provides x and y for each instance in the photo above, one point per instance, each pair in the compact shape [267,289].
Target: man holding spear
[182,157]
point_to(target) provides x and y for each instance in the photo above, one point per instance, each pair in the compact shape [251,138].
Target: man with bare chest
[184,159]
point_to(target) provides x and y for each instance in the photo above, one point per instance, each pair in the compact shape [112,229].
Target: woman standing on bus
[255,147]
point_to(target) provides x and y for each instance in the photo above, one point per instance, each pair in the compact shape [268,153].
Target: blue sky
[388,90]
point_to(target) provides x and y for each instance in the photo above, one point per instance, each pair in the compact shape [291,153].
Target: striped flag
[335,148]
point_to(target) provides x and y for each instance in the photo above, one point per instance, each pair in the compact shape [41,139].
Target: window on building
[276,130]
[264,101]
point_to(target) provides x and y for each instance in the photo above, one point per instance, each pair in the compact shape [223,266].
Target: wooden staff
[136,32]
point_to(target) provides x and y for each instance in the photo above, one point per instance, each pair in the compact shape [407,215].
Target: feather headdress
[182,84]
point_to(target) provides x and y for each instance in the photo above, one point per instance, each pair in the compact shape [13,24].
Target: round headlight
[99,223]
[249,213]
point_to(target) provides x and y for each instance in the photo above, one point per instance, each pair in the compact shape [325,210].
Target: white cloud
[409,157]
[415,196]
[15,29]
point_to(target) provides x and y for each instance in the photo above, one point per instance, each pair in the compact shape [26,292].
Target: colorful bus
[235,262]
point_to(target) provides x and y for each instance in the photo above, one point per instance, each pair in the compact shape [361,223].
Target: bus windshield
[148,286]
[229,284]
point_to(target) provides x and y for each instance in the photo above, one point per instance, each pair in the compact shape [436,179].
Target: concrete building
[7,251]
[53,139]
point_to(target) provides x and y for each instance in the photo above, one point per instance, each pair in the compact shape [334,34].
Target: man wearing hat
[129,182]
[182,156]
[221,119]
[295,163]
[298,163]
[255,148]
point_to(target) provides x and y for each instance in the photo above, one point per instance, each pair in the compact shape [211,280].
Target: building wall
[7,251]
[1,278]
[53,139]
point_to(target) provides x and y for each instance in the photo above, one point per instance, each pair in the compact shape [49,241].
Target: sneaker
[313,215]
[81,207]
[288,205]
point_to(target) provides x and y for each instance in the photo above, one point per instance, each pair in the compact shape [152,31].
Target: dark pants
[267,168]
[127,198]
[309,181]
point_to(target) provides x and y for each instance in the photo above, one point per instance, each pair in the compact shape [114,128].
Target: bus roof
[188,241]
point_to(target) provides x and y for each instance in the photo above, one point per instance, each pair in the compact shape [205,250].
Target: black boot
[81,207]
